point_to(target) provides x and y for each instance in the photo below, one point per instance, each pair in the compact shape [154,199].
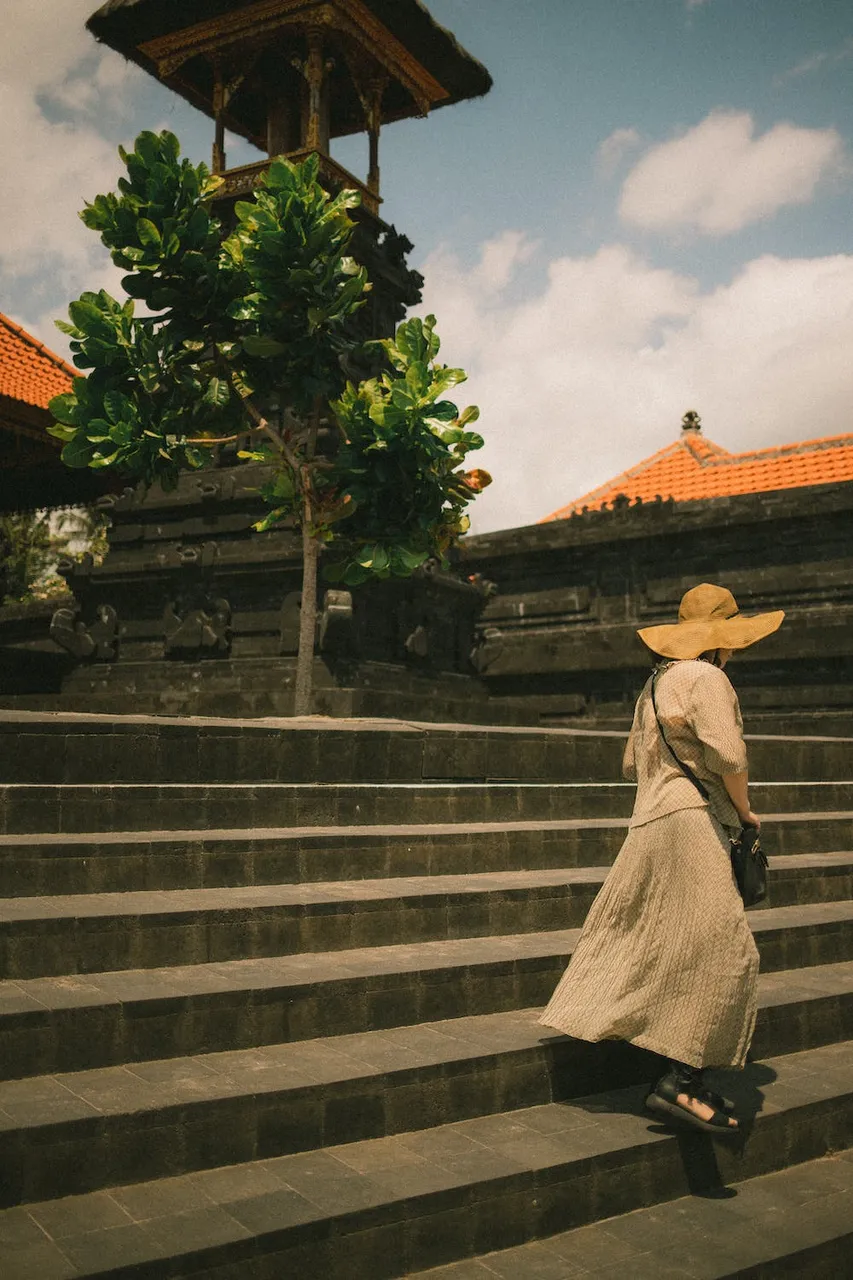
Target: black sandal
[715,1100]
[663,1099]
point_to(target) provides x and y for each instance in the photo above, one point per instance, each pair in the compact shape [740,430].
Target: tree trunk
[307,624]
[308,604]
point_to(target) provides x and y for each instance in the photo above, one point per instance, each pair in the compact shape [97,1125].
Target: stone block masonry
[559,638]
[306,1041]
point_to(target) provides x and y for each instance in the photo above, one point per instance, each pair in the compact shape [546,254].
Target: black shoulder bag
[749,861]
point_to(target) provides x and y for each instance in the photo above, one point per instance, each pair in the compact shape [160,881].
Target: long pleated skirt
[666,958]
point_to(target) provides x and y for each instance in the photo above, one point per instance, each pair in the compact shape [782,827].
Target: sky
[649,213]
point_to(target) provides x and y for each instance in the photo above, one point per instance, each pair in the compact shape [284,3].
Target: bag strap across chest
[685,768]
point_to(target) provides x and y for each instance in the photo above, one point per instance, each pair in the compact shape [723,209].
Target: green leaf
[117,406]
[66,409]
[218,393]
[148,233]
[78,452]
[61,432]
[416,378]
[262,345]
[444,411]
[354,575]
[86,316]
[402,397]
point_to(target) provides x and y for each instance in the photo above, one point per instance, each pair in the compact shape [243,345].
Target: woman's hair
[712,656]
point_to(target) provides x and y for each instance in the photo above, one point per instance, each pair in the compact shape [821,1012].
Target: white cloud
[815,61]
[594,373]
[613,150]
[718,177]
[58,93]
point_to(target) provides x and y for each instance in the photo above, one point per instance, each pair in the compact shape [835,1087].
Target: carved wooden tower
[192,611]
[290,76]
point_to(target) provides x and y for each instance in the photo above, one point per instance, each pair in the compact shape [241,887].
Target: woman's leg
[682,1088]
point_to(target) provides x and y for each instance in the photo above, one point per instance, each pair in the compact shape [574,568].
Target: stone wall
[559,638]
[195,613]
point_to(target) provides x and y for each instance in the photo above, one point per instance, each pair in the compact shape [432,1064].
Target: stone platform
[271,996]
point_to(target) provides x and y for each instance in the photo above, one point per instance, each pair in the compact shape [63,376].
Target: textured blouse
[701,716]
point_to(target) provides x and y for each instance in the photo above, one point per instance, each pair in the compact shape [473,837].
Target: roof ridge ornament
[691,422]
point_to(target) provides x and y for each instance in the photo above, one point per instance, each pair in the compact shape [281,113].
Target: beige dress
[666,958]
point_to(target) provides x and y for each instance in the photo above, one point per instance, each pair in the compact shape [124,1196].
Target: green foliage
[261,312]
[291,242]
[31,543]
[26,553]
[399,477]
[245,335]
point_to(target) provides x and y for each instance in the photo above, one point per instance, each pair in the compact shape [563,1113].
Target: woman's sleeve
[716,720]
[629,762]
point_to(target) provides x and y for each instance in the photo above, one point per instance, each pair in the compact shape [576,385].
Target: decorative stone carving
[417,643]
[488,647]
[200,629]
[96,640]
[125,501]
[336,622]
[218,490]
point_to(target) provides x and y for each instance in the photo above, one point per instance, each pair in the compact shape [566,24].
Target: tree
[243,342]
[31,543]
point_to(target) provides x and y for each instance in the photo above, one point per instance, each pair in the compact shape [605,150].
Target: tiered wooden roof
[694,467]
[31,471]
[176,42]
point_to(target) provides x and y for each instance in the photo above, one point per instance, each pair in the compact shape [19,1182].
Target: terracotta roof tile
[694,467]
[29,372]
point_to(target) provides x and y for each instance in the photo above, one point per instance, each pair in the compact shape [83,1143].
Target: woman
[666,958]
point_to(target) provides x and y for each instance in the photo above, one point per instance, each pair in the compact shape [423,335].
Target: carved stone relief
[188,630]
[96,639]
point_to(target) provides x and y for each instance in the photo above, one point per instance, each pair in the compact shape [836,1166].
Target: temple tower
[192,611]
[290,76]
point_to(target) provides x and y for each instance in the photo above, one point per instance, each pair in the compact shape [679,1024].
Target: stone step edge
[259,976]
[369,1058]
[308,1202]
[418,830]
[156,906]
[732,1245]
[420,784]
[364,894]
[61,721]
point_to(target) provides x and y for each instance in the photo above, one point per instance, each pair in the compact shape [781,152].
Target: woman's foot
[681,1093]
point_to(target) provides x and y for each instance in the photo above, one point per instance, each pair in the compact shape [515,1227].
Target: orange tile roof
[694,467]
[29,371]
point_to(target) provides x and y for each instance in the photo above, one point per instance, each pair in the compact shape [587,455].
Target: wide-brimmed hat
[708,618]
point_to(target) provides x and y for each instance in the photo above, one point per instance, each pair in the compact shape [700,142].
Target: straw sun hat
[708,618]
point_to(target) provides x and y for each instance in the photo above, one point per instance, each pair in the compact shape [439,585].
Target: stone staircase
[270,998]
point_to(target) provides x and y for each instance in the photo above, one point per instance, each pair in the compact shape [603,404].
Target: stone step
[385,1207]
[67,1022]
[83,807]
[67,747]
[797,1222]
[111,862]
[87,933]
[241,1104]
